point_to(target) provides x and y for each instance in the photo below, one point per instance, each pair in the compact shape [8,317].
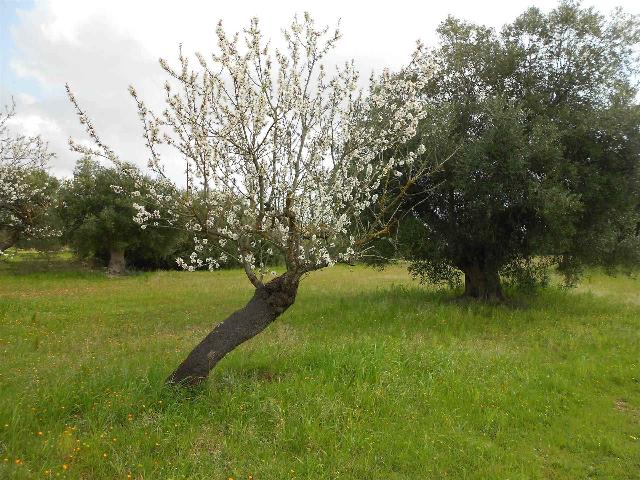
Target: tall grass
[368,376]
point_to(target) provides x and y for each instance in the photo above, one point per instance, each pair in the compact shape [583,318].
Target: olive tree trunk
[482,282]
[116,262]
[267,304]
[9,240]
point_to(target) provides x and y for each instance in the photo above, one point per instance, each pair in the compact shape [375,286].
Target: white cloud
[25,99]
[33,124]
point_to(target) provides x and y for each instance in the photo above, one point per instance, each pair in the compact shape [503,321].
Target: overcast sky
[100,47]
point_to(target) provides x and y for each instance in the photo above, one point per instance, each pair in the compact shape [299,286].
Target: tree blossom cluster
[280,156]
[26,190]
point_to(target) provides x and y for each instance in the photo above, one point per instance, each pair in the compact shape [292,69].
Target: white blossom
[277,152]
[26,190]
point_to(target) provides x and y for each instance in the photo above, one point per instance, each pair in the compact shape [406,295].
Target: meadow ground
[367,376]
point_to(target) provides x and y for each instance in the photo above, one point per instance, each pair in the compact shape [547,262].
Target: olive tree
[98,217]
[540,124]
[280,156]
[27,190]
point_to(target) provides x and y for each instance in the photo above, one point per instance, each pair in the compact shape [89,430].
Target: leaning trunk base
[9,240]
[267,304]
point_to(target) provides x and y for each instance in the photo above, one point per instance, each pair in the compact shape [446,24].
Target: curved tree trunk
[9,241]
[116,262]
[482,283]
[267,304]
[5,244]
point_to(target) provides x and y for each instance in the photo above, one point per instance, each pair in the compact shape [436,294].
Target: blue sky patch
[10,83]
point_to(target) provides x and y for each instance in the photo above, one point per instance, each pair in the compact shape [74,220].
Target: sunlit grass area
[369,375]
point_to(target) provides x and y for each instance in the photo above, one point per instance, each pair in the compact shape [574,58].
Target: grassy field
[368,376]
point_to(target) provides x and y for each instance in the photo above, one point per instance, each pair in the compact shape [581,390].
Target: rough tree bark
[9,240]
[116,262]
[267,304]
[482,282]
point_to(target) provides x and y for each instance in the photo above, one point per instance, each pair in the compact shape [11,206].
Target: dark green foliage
[579,69]
[540,128]
[97,220]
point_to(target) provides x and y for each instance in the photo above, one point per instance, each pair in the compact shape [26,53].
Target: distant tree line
[93,213]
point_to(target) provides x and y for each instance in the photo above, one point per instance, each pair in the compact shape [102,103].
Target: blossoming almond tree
[279,158]
[26,189]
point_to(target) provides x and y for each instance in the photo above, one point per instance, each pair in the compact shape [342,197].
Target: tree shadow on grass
[65,264]
[414,308]
[33,262]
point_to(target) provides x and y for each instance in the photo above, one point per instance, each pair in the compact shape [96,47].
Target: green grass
[367,376]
